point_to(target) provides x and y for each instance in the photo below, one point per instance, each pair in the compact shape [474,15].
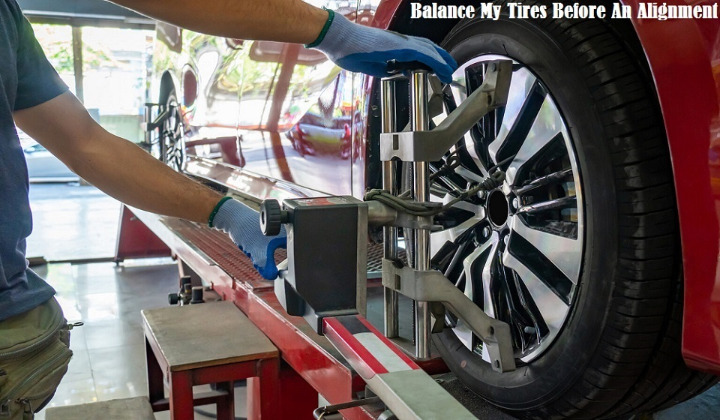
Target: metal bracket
[430,146]
[432,286]
[148,125]
[380,214]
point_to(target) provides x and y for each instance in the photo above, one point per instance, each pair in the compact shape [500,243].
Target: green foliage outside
[56,41]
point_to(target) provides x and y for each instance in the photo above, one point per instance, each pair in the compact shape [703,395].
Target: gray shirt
[26,79]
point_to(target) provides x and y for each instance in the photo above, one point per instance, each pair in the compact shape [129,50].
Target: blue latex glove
[243,225]
[367,50]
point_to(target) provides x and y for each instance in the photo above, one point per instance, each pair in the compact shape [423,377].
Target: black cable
[501,163]
[414,208]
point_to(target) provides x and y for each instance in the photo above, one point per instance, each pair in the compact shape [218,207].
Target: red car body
[683,55]
[687,77]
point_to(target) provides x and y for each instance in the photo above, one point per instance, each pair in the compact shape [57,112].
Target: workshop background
[104,54]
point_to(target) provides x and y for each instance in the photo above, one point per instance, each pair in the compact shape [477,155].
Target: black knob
[173,298]
[270,217]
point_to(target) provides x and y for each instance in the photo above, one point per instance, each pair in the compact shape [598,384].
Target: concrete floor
[72,222]
[79,222]
[109,351]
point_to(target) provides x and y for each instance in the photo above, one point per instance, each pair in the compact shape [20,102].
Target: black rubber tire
[619,350]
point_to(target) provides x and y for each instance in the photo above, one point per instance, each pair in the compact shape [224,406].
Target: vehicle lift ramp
[324,279]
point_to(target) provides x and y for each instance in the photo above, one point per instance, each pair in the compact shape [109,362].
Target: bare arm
[272,20]
[116,166]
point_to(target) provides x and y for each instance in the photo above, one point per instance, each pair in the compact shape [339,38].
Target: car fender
[686,71]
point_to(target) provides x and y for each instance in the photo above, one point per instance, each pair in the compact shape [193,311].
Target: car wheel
[578,251]
[297,145]
[170,145]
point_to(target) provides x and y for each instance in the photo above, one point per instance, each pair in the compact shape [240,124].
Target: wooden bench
[209,343]
[138,408]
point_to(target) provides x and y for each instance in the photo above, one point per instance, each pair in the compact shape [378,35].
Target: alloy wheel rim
[173,137]
[517,250]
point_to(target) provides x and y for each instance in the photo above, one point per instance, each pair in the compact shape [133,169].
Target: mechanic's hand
[363,49]
[243,225]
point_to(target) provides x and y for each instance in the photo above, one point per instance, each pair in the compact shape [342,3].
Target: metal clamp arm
[431,286]
[430,146]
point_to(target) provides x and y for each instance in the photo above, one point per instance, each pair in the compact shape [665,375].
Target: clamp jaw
[430,146]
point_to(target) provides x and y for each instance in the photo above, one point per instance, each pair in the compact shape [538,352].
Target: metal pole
[419,121]
[147,119]
[390,234]
[78,62]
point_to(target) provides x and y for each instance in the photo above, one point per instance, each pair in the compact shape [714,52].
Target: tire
[170,145]
[617,350]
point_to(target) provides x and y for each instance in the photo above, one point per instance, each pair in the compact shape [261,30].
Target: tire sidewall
[537,46]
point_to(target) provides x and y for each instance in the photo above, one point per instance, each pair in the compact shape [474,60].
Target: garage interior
[109,351]
[84,243]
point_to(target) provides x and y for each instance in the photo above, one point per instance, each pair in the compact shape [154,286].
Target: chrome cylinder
[390,234]
[420,121]
[147,119]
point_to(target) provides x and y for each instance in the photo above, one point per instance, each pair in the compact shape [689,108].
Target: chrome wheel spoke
[512,137]
[172,139]
[469,207]
[475,214]
[543,270]
[474,267]
[489,279]
[474,264]
[563,252]
[548,127]
[552,309]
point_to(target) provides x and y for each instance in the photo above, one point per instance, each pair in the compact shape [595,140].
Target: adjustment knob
[173,298]
[270,217]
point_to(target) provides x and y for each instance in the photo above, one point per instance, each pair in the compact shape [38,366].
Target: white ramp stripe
[391,361]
